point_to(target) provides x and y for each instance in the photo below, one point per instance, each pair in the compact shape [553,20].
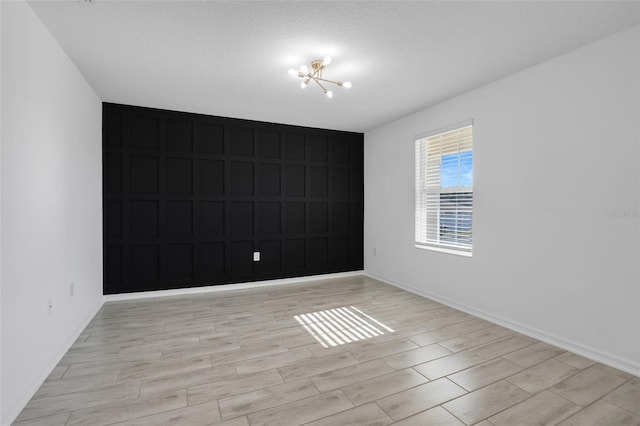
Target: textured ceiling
[230,58]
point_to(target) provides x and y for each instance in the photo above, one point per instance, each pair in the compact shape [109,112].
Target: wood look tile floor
[349,351]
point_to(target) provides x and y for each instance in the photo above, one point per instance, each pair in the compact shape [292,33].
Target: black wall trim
[188,198]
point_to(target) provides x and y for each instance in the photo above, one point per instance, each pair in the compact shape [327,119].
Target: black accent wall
[188,198]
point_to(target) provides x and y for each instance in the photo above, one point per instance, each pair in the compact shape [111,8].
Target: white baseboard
[227,287]
[611,360]
[18,405]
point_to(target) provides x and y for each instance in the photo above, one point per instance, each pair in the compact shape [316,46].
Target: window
[444,191]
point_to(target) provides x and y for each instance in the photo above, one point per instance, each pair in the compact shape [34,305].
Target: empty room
[245,213]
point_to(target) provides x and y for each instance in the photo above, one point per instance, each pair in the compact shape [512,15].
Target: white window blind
[444,190]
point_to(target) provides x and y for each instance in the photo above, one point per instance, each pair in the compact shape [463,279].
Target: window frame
[421,214]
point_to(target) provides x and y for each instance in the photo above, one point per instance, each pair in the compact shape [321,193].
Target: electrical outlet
[71,289]
[256,256]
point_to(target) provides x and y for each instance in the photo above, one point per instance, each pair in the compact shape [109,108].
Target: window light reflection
[338,326]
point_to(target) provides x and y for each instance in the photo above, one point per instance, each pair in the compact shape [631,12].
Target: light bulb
[326,60]
[293,72]
[329,94]
[303,84]
[346,85]
[304,69]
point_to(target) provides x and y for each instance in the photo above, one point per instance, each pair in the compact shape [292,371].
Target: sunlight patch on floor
[339,326]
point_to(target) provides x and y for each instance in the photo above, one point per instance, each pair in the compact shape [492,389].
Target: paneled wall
[189,198]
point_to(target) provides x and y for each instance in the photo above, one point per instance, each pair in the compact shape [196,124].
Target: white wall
[556,148]
[0,219]
[51,204]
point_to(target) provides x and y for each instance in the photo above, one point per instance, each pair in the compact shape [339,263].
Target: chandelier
[315,74]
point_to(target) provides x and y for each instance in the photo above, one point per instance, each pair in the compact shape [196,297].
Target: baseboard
[18,405]
[611,360]
[227,287]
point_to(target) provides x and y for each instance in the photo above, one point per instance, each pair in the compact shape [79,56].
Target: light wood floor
[336,352]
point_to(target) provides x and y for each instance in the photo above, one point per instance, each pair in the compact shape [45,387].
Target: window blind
[444,190]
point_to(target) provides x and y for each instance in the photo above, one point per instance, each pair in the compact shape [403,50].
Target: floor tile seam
[119,402]
[100,360]
[592,402]
[562,397]
[36,398]
[97,348]
[489,384]
[350,384]
[626,379]
[602,398]
[541,390]
[475,346]
[46,415]
[234,416]
[383,410]
[120,322]
[347,396]
[320,392]
[64,373]
[68,419]
[581,407]
[422,384]
[423,375]
[144,377]
[420,363]
[440,404]
[481,364]
[538,362]
[152,379]
[263,409]
[571,376]
[506,378]
[506,353]
[632,414]
[83,338]
[453,323]
[452,373]
[149,415]
[386,396]
[573,353]
[303,399]
[456,417]
[383,356]
[188,388]
[531,395]
[212,355]
[454,336]
[483,328]
[473,390]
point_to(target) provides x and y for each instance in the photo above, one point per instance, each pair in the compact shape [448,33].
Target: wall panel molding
[188,199]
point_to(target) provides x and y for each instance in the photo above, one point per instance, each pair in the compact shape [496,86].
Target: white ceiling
[230,58]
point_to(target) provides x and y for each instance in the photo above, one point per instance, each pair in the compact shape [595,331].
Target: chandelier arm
[316,71]
[337,83]
[310,76]
[318,83]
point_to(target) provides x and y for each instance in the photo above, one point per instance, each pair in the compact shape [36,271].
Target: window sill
[447,250]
